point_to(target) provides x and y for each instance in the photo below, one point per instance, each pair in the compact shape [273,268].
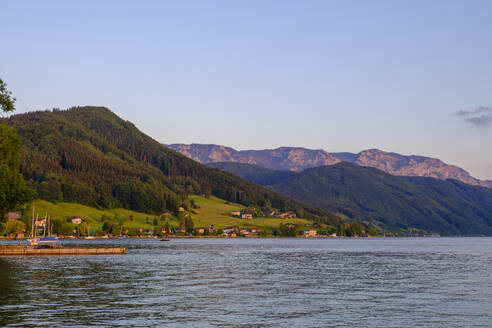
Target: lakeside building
[199,230]
[229,230]
[310,233]
[255,230]
[13,216]
[76,220]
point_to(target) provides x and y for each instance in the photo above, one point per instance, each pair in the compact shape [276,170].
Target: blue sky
[336,75]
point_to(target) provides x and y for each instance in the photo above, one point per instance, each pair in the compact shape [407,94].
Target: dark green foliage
[90,156]
[189,224]
[287,229]
[391,202]
[13,190]
[255,173]
[367,194]
[62,227]
[6,100]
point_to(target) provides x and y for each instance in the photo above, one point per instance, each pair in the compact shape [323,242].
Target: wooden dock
[23,250]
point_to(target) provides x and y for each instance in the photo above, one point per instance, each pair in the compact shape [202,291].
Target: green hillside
[88,155]
[93,216]
[211,211]
[390,202]
[214,211]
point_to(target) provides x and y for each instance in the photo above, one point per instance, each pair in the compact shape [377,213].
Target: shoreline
[238,237]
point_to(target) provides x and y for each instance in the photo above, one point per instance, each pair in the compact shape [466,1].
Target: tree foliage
[13,190]
[392,202]
[287,229]
[6,100]
[90,156]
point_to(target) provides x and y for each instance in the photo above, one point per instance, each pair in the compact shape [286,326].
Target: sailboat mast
[45,223]
[33,223]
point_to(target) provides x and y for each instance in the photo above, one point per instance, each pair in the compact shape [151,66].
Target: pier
[23,250]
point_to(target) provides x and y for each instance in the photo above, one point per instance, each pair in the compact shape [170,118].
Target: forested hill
[392,202]
[91,156]
[255,173]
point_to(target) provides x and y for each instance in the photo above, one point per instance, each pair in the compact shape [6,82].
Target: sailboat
[33,241]
[50,239]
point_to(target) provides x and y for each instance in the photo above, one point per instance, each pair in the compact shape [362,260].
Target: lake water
[386,282]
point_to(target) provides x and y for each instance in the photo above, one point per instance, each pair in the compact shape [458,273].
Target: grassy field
[91,215]
[212,211]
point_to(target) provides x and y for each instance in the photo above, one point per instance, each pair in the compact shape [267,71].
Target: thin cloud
[478,117]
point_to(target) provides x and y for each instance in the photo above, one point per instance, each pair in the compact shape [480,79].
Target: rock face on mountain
[298,159]
[411,166]
[206,153]
[283,158]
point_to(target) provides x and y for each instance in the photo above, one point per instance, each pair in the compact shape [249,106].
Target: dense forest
[255,173]
[90,156]
[391,202]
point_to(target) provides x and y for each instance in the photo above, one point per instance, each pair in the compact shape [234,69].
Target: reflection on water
[442,282]
[5,280]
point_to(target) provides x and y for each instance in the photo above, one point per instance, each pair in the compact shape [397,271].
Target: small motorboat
[165,239]
[47,242]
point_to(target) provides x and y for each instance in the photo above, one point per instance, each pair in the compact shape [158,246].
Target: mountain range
[391,202]
[89,155]
[297,159]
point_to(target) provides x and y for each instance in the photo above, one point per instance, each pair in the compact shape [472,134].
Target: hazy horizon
[404,77]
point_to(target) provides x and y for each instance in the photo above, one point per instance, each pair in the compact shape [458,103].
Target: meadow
[210,211]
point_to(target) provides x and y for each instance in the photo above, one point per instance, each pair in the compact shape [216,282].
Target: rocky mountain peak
[298,159]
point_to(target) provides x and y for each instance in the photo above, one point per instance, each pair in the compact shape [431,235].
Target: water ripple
[442,282]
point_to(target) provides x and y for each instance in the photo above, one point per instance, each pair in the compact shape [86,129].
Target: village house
[229,230]
[166,214]
[243,231]
[181,209]
[148,231]
[139,230]
[235,214]
[76,220]
[199,230]
[310,233]
[211,229]
[246,216]
[13,216]
[255,230]
[287,215]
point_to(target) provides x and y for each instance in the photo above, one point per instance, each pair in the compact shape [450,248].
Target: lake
[377,282]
